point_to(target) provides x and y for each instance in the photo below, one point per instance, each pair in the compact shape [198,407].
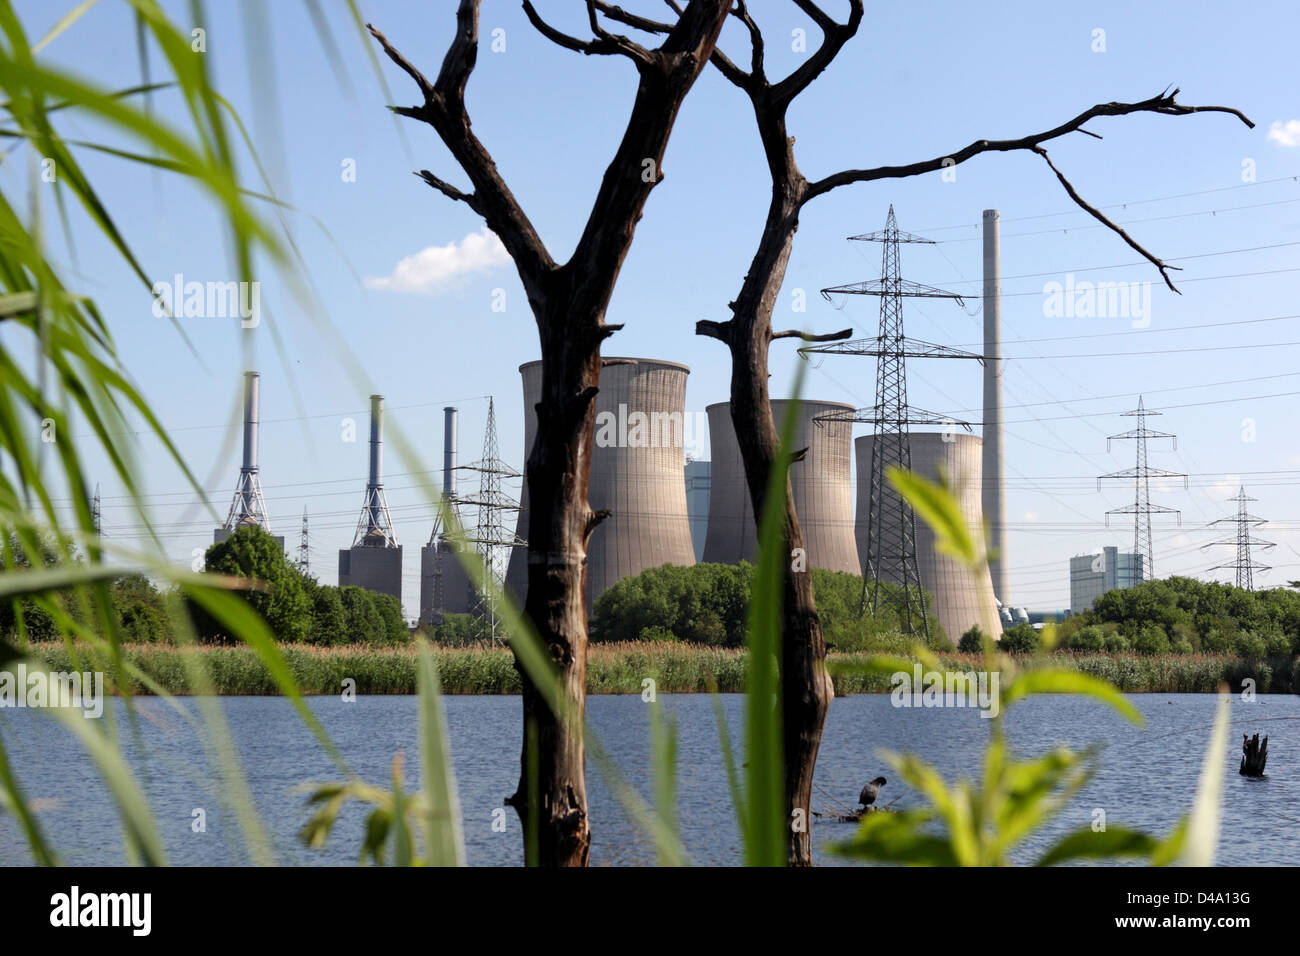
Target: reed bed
[624,669]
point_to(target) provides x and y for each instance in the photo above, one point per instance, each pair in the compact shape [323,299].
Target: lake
[1147,775]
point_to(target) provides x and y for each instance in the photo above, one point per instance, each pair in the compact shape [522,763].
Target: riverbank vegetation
[624,668]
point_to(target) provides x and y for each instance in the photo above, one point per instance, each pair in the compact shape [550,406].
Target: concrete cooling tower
[960,597]
[636,473]
[823,490]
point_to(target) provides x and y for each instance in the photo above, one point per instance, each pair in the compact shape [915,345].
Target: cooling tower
[959,596]
[823,490]
[444,586]
[636,473]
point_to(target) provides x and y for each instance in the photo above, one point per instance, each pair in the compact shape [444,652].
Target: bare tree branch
[756,48]
[605,44]
[448,190]
[1114,227]
[718,59]
[714,330]
[444,109]
[834,36]
[632,20]
[808,336]
[1164,104]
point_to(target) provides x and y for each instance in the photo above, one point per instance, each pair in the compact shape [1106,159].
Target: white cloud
[435,267]
[1285,134]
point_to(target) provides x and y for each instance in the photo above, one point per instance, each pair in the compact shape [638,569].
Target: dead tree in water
[568,301]
[806,690]
[1253,756]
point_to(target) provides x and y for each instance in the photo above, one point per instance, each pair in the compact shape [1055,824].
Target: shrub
[1021,639]
[972,642]
[282,599]
[1151,640]
[329,621]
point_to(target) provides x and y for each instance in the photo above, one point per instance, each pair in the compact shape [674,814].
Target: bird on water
[868,795]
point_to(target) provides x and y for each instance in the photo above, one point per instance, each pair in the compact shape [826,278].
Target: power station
[823,491]
[444,586]
[666,509]
[248,506]
[374,561]
[637,466]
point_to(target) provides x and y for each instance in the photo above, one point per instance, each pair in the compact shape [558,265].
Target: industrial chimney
[252,393]
[444,586]
[448,451]
[374,561]
[248,506]
[378,508]
[994,468]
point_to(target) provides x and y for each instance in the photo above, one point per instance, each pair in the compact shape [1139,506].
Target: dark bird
[868,795]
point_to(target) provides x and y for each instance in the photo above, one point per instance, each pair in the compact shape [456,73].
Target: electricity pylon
[1142,509]
[1244,566]
[490,535]
[891,523]
[304,552]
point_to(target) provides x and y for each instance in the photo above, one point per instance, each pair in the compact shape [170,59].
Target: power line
[1124,205]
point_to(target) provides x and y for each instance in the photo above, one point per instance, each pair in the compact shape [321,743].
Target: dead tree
[568,301]
[806,687]
[1253,756]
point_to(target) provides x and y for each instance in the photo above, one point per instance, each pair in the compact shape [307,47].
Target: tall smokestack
[448,451]
[994,501]
[376,458]
[252,388]
[248,506]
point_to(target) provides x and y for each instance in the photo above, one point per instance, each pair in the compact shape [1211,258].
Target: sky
[421,298]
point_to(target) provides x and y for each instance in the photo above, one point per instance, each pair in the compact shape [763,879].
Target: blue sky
[920,80]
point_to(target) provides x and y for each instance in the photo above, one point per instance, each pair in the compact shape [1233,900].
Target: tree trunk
[806,688]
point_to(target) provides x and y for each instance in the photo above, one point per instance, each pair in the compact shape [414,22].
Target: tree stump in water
[1253,756]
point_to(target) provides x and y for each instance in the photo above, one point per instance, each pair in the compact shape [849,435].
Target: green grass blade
[443,842]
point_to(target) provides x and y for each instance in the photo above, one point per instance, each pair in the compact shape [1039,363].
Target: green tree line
[707,604]
[297,608]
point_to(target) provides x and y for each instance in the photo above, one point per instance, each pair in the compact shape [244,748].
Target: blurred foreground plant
[979,823]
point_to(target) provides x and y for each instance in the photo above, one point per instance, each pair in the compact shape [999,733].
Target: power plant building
[821,484]
[1092,575]
[699,482]
[374,561]
[444,586]
[637,464]
[958,596]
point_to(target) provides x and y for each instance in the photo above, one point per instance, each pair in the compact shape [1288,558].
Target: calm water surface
[1147,775]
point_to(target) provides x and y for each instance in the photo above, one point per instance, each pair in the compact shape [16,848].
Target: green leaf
[898,837]
[443,843]
[1202,840]
[1051,680]
[1085,843]
[935,504]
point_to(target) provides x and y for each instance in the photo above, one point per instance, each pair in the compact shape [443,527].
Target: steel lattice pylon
[304,550]
[1244,566]
[490,536]
[1142,509]
[891,523]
